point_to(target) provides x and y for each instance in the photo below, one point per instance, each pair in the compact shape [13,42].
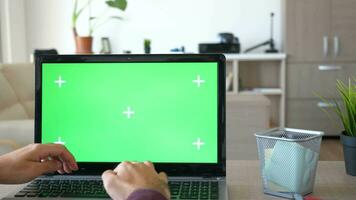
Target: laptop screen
[165,112]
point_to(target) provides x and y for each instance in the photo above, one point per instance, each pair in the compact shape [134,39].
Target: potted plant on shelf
[84,44]
[346,111]
[147,45]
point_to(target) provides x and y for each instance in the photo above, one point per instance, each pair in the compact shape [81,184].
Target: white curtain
[0,44]
[13,33]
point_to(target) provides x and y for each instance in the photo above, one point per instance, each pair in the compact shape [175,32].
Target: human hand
[33,160]
[130,176]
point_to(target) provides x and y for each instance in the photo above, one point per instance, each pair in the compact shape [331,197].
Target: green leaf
[117,17]
[332,105]
[76,12]
[119,4]
[346,111]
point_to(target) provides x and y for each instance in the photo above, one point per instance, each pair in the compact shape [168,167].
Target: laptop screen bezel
[172,169]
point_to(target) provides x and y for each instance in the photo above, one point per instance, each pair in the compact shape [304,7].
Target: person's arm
[29,162]
[136,181]
[146,194]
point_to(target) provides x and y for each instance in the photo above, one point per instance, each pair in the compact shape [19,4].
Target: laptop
[168,109]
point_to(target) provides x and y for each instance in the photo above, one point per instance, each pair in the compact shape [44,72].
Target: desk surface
[331,181]
[244,181]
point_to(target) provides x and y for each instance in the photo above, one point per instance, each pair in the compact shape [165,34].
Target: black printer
[228,44]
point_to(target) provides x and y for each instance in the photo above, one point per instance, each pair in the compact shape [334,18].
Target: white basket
[288,160]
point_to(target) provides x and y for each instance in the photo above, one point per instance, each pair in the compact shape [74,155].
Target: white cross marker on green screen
[128,112]
[59,141]
[198,81]
[198,143]
[59,82]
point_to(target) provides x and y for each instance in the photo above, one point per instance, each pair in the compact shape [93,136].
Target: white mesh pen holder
[288,161]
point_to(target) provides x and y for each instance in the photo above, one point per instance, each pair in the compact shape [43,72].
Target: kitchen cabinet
[343,30]
[320,30]
[320,41]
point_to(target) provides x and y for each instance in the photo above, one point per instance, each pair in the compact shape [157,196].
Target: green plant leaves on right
[346,110]
[119,4]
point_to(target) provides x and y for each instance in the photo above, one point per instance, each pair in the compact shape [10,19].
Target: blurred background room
[281,54]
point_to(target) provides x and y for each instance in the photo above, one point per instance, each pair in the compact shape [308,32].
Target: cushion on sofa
[17,88]
[15,133]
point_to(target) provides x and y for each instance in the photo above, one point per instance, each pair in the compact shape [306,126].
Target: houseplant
[147,45]
[83,44]
[346,111]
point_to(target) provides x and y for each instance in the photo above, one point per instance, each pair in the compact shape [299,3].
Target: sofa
[16,106]
[246,114]
[17,91]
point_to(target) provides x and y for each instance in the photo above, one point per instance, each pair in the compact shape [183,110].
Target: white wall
[49,25]
[168,23]
[1,51]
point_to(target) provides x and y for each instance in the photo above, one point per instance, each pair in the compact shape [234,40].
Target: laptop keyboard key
[54,194]
[32,194]
[43,194]
[21,194]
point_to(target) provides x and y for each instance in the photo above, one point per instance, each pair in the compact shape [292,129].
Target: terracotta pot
[84,45]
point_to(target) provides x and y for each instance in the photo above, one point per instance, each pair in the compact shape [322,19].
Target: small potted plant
[147,45]
[346,111]
[83,44]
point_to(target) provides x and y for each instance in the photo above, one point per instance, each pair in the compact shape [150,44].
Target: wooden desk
[331,183]
[244,182]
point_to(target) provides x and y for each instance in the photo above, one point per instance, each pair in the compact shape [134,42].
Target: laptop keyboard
[64,188]
[194,189]
[95,189]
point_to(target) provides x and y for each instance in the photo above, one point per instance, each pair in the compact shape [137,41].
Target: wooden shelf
[256,74]
[264,91]
[255,57]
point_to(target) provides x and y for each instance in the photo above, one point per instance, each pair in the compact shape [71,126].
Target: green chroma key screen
[112,112]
